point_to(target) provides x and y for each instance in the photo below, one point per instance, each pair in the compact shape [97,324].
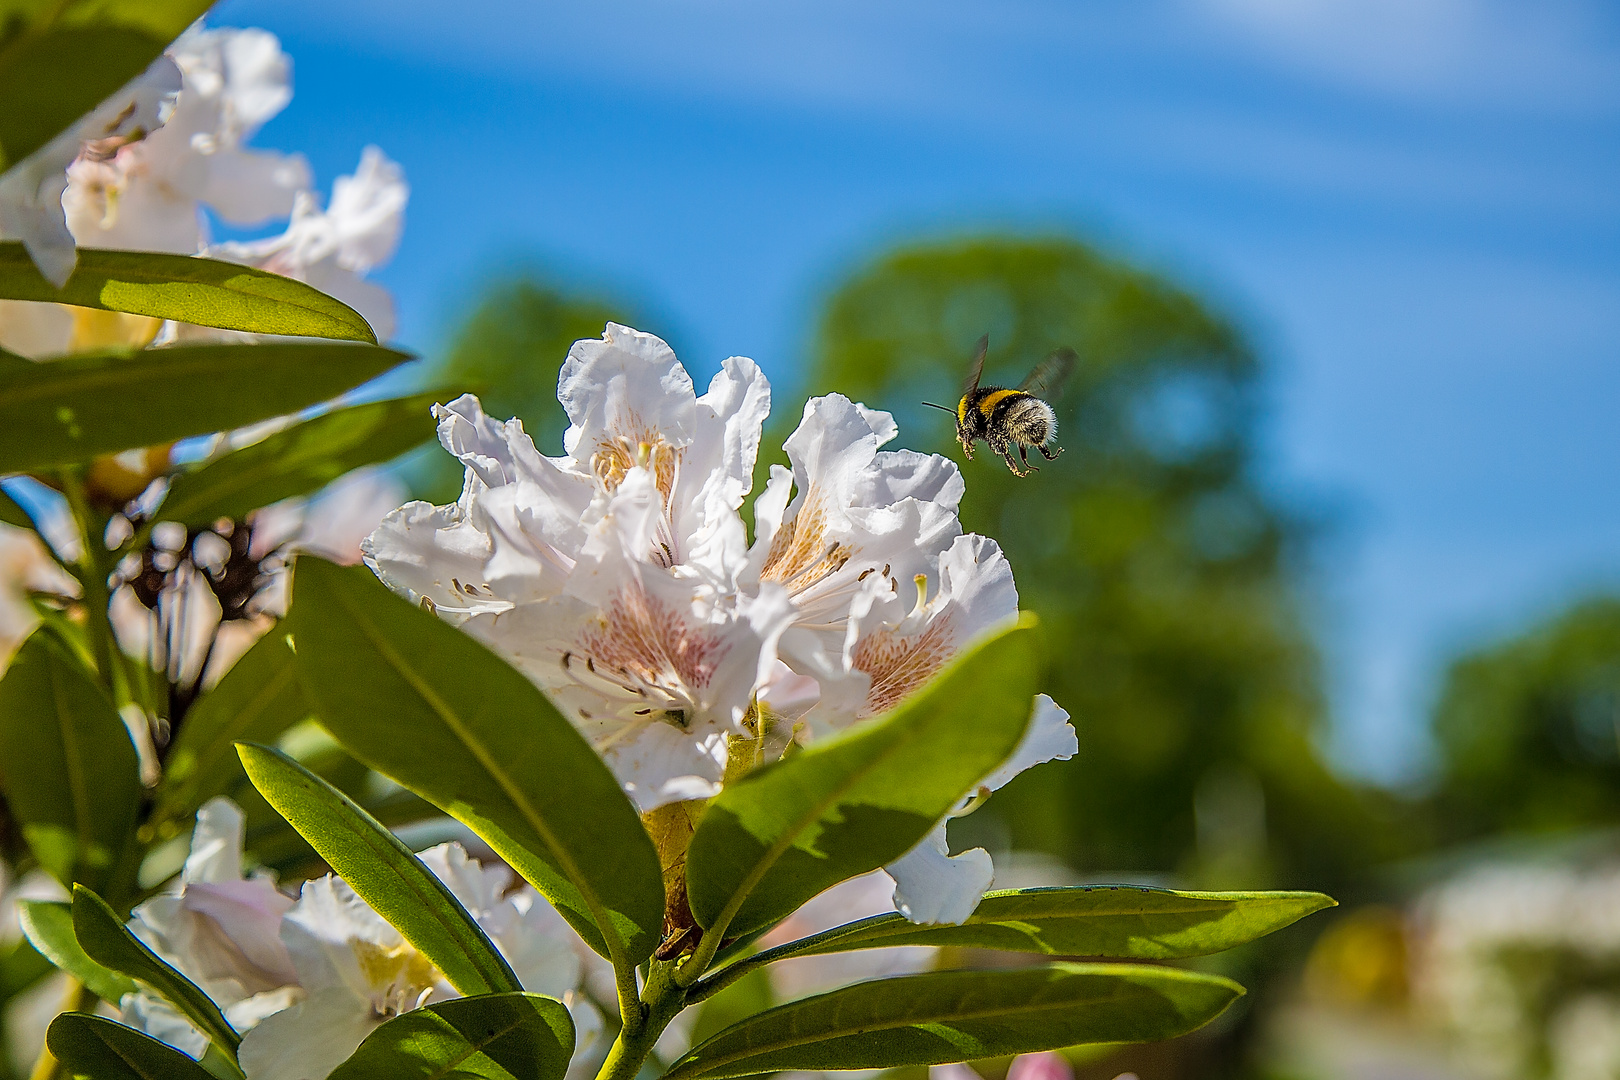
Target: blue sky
[1411,204]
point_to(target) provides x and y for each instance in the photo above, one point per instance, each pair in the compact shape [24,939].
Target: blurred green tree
[1529,729]
[1167,577]
[509,351]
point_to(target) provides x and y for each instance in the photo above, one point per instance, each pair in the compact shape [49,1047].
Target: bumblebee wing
[976,366]
[1050,374]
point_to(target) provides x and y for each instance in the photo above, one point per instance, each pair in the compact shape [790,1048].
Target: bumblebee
[1006,418]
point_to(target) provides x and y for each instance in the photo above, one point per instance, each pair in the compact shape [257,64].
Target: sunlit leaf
[68,410]
[96,1048]
[485,746]
[494,1037]
[382,871]
[953,1016]
[781,835]
[106,940]
[67,767]
[1126,921]
[187,288]
[299,460]
[48,924]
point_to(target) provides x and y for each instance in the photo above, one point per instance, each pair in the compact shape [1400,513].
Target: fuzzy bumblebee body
[1011,417]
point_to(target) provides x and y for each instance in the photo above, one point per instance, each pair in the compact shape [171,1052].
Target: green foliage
[782,834]
[68,410]
[186,288]
[106,940]
[495,1037]
[257,700]
[510,351]
[1161,570]
[382,871]
[963,1015]
[67,767]
[298,460]
[59,59]
[1124,921]
[485,746]
[1527,728]
[48,925]
[95,1048]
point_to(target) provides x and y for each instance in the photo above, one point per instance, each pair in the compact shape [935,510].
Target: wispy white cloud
[1555,54]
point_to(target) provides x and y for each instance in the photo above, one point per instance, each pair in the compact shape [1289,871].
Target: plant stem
[660,1003]
[92,575]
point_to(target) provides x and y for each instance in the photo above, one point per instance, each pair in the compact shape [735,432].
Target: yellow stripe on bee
[995,397]
[961,411]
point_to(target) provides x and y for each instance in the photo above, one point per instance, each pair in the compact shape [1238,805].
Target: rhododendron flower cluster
[620,578]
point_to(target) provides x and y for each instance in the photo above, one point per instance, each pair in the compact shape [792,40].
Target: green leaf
[187,288]
[485,746]
[257,700]
[67,766]
[1126,921]
[783,834]
[67,410]
[952,1016]
[382,871]
[106,940]
[298,460]
[60,60]
[495,1037]
[48,924]
[96,1048]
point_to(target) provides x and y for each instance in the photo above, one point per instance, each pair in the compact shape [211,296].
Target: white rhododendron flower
[333,249]
[221,931]
[109,187]
[618,577]
[307,980]
[149,195]
[31,190]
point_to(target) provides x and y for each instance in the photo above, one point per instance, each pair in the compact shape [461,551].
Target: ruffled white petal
[1049,737]
[933,886]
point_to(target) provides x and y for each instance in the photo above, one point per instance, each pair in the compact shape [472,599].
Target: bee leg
[1050,455]
[1023,455]
[967,447]
[1006,455]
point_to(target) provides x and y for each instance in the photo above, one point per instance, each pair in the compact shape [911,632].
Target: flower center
[401,979]
[897,665]
[644,649]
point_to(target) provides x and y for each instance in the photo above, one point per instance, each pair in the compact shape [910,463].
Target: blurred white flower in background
[112,188]
[31,204]
[618,577]
[1521,963]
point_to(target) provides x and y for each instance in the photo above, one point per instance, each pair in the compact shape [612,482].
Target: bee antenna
[942,408]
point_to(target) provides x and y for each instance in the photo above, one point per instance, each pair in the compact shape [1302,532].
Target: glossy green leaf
[67,410]
[95,1048]
[783,834]
[257,700]
[1126,921]
[953,1016]
[187,288]
[48,924]
[302,459]
[485,746]
[382,871]
[59,60]
[106,940]
[67,767]
[495,1037]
